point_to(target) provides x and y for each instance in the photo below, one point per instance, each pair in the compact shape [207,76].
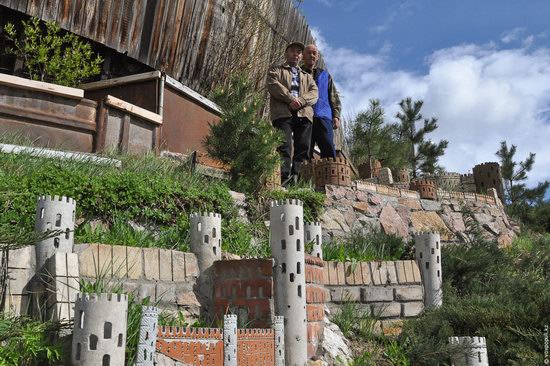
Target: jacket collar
[287,66]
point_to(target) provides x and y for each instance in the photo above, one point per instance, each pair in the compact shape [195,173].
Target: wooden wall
[194,41]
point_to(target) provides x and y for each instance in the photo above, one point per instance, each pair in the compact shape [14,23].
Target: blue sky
[482,67]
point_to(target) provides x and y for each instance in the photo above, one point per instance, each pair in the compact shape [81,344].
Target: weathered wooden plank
[103,17]
[112,33]
[50,10]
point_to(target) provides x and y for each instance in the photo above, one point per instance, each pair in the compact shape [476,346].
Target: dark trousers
[297,130]
[323,135]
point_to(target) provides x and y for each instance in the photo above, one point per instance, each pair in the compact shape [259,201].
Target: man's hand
[335,123]
[295,104]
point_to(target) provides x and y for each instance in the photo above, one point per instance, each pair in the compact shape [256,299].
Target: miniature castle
[428,256]
[474,351]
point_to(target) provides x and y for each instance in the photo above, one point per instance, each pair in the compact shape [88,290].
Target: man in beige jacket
[293,93]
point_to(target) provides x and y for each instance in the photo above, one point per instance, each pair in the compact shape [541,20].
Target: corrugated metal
[182,37]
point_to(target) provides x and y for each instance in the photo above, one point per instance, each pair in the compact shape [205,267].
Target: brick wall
[316,297]
[163,275]
[192,346]
[389,290]
[255,347]
[245,287]
[21,269]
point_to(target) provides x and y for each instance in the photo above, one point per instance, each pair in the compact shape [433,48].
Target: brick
[120,267]
[165,269]
[365,273]
[409,309]
[191,265]
[151,263]
[416,272]
[146,290]
[88,260]
[105,259]
[376,276]
[178,265]
[345,294]
[315,312]
[392,328]
[409,273]
[400,271]
[386,310]
[134,263]
[392,275]
[325,275]
[409,293]
[348,272]
[62,264]
[22,258]
[340,270]
[333,273]
[375,294]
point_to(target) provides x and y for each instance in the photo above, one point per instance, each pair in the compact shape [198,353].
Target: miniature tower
[287,236]
[475,351]
[428,256]
[147,336]
[57,213]
[206,240]
[314,233]
[99,333]
[230,340]
[279,327]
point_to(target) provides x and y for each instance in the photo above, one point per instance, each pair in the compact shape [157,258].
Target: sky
[482,68]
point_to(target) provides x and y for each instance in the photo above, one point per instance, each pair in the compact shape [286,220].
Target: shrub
[49,55]
[313,201]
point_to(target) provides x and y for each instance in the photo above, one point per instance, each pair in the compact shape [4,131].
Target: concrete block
[408,293]
[120,267]
[409,272]
[400,271]
[17,304]
[191,265]
[130,287]
[349,271]
[151,263]
[375,294]
[416,272]
[62,265]
[22,258]
[165,292]
[333,273]
[165,265]
[345,294]
[134,263]
[186,296]
[88,259]
[341,273]
[391,272]
[409,309]
[386,310]
[62,289]
[178,266]
[377,279]
[19,280]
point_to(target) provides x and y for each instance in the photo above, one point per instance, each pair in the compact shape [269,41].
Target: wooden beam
[133,109]
[108,83]
[21,83]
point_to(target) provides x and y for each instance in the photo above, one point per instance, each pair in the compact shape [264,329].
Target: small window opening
[58,220]
[283,244]
[292,277]
[283,268]
[298,268]
[56,242]
[106,360]
[290,230]
[93,342]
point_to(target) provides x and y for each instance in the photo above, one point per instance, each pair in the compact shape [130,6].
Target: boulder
[392,223]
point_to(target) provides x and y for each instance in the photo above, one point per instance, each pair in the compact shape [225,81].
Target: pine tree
[242,138]
[423,154]
[371,138]
[514,175]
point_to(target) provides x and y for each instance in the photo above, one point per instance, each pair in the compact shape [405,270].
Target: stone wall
[165,276]
[388,290]
[367,206]
[21,270]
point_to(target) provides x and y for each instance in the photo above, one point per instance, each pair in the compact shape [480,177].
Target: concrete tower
[230,340]
[287,246]
[314,233]
[206,237]
[99,333]
[475,351]
[57,213]
[428,256]
[147,336]
[279,327]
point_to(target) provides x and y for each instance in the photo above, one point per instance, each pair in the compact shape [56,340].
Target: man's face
[293,55]
[311,56]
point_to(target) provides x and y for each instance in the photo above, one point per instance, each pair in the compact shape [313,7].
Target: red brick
[315,312]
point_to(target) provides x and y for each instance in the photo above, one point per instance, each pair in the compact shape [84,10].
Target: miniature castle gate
[217,347]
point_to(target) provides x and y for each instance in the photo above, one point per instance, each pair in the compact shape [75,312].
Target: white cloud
[481,95]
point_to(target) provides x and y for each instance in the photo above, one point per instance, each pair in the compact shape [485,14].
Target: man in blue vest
[326,112]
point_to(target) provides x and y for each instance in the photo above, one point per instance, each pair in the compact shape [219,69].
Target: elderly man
[327,109]
[293,93]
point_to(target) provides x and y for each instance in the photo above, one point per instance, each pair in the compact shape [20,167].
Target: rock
[368,223]
[163,360]
[364,208]
[454,221]
[374,200]
[429,205]
[230,256]
[334,346]
[335,192]
[430,221]
[350,195]
[392,223]
[410,203]
[334,219]
[492,228]
[504,241]
[405,213]
[239,199]
[483,218]
[361,196]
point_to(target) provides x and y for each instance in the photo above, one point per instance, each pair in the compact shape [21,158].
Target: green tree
[371,138]
[243,139]
[423,154]
[521,200]
[49,55]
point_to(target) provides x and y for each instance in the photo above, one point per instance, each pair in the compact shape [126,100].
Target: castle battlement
[63,199]
[472,341]
[286,202]
[85,297]
[206,214]
[197,333]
